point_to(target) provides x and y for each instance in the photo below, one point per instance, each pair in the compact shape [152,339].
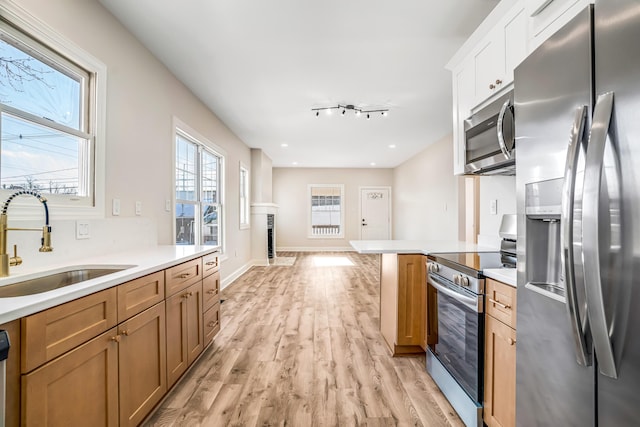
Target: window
[244,197]
[48,120]
[326,210]
[198,193]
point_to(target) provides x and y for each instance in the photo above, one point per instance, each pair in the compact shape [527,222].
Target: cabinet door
[55,331]
[177,354]
[183,275]
[500,374]
[137,295]
[79,387]
[210,263]
[489,66]
[211,288]
[195,331]
[211,319]
[411,299]
[464,99]
[142,364]
[515,41]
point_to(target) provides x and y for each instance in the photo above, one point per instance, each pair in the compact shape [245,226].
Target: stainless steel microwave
[489,139]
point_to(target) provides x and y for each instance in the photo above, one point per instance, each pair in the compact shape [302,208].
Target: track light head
[344,107]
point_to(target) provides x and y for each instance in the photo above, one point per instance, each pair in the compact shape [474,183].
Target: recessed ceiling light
[372,163]
[392,146]
[294,163]
[284,145]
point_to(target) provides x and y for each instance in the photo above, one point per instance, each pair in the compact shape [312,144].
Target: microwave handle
[503,111]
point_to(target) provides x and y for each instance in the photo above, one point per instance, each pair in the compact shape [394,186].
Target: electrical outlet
[167,205]
[493,208]
[82,230]
[115,207]
[138,208]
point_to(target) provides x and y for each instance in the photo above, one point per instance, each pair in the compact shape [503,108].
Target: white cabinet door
[515,41]
[464,99]
[489,66]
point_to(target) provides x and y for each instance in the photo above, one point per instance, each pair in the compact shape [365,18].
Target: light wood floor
[300,346]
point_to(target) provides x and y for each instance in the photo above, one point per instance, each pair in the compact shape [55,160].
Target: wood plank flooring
[300,346]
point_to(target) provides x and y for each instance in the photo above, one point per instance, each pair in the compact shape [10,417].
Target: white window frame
[244,195]
[310,233]
[67,206]
[182,129]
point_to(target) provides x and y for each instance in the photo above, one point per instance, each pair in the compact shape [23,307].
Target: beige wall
[290,193]
[502,189]
[425,199]
[142,99]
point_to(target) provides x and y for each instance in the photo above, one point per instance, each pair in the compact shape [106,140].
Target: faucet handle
[46,239]
[15,259]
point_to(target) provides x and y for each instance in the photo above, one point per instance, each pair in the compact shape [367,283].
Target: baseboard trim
[314,249]
[230,278]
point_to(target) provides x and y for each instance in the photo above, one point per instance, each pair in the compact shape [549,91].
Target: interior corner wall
[503,190]
[290,193]
[425,198]
[143,97]
[261,177]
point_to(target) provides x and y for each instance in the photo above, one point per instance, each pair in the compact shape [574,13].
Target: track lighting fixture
[350,107]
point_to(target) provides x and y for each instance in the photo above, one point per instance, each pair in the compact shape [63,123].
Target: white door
[375,213]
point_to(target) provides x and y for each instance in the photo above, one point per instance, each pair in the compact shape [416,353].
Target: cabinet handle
[492,86]
[498,81]
[211,291]
[511,341]
[506,307]
[211,263]
[116,338]
[185,295]
[211,324]
[184,275]
[125,333]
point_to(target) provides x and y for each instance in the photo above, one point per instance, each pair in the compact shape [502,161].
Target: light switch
[82,230]
[138,208]
[167,205]
[115,207]
[493,208]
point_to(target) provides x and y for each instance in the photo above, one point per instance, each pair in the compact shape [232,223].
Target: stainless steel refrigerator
[577,112]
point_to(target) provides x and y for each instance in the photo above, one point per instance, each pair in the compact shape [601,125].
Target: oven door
[458,324]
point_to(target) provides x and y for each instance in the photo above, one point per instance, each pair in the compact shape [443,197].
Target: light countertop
[139,263]
[504,275]
[424,247]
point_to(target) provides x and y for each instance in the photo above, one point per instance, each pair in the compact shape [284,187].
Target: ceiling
[261,66]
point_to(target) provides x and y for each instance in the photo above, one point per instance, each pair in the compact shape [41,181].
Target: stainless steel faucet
[5,260]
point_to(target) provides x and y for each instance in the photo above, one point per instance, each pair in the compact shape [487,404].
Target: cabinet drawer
[501,302]
[52,332]
[211,285]
[182,275]
[137,295]
[210,263]
[211,323]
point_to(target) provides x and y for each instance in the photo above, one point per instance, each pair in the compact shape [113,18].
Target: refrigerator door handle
[590,219]
[583,356]
[503,145]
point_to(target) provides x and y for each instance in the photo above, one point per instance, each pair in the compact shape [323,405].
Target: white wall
[142,99]
[261,177]
[290,193]
[502,189]
[425,199]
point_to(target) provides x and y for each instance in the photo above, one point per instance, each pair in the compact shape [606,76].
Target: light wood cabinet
[142,364]
[50,333]
[108,358]
[500,356]
[80,386]
[185,334]
[403,302]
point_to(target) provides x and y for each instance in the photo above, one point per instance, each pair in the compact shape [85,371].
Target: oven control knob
[429,267]
[464,281]
[436,268]
[456,279]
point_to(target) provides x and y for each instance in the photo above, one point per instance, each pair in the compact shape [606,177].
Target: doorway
[375,213]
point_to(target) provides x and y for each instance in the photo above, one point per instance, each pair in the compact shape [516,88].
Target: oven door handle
[471,302]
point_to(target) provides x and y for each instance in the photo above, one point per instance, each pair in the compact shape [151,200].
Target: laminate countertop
[424,247]
[136,264]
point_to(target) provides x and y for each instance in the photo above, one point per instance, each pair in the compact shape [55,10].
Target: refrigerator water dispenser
[543,204]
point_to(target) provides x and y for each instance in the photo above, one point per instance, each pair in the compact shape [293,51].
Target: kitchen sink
[57,280]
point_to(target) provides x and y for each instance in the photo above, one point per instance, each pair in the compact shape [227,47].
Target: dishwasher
[4,354]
